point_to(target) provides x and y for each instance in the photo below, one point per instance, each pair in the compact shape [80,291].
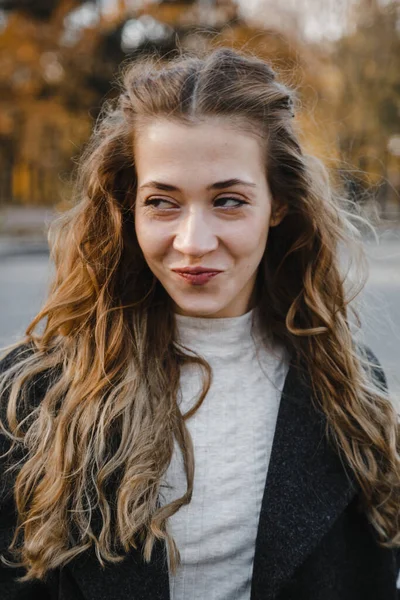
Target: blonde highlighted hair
[89,404]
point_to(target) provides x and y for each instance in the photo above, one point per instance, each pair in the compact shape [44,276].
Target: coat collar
[307,487]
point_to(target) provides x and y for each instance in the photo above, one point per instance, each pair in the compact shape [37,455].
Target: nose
[194,235]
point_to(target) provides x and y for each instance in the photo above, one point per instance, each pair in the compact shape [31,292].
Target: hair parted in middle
[99,442]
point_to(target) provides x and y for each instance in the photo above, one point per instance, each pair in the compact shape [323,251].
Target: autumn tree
[369,104]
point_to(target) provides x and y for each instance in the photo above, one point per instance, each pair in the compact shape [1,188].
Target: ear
[277,215]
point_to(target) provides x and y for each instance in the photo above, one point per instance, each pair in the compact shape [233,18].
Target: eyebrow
[218,185]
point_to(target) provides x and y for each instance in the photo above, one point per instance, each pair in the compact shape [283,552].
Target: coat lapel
[307,487]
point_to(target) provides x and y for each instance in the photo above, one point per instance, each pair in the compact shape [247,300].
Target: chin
[200,310]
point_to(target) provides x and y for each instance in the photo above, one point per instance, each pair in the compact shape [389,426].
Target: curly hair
[94,444]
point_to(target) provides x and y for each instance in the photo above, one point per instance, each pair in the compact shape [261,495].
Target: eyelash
[152,201]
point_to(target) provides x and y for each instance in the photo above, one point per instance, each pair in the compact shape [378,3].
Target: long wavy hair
[89,448]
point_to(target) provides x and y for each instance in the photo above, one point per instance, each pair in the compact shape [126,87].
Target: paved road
[25,278]
[380,311]
[24,282]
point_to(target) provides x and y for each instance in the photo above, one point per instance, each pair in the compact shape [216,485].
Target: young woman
[196,419]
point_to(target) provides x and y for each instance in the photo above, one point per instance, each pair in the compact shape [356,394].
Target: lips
[196,270]
[198,278]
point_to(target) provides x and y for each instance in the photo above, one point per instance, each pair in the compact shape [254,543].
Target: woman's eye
[238,202]
[156,201]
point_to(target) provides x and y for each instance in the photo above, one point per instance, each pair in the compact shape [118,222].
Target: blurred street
[25,276]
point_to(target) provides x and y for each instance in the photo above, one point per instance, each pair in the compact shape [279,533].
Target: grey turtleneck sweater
[232,435]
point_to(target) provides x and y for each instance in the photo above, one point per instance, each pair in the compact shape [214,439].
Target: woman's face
[202,201]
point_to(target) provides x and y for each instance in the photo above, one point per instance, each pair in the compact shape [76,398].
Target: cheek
[248,242]
[152,240]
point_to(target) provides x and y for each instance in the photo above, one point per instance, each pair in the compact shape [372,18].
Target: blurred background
[59,61]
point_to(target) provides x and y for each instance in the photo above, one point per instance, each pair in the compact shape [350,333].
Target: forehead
[171,148]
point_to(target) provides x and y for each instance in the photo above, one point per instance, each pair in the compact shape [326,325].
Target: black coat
[313,541]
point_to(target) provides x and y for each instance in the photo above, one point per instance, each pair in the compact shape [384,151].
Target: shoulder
[7,372]
[15,355]
[377,371]
[9,455]
[30,393]
[36,377]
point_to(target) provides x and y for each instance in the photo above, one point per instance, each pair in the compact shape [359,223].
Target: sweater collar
[208,335]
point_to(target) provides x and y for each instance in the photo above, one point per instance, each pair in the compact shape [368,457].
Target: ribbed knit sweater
[232,435]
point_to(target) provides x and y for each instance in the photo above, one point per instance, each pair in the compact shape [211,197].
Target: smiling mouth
[198,278]
[196,270]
